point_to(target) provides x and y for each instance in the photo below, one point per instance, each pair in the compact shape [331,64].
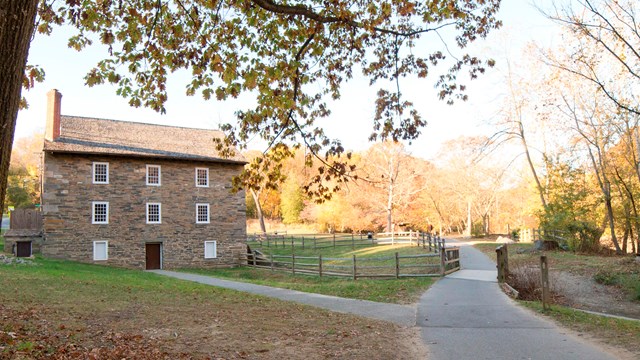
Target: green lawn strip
[87,302]
[397,291]
[613,331]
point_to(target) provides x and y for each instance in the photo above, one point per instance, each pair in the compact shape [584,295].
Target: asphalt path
[462,316]
[467,316]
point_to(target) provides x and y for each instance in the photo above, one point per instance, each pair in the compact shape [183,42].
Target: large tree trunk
[256,200]
[17,20]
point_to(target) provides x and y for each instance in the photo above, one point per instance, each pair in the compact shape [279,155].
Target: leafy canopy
[293,55]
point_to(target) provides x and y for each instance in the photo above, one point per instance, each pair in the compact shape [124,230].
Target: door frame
[160,244]
[24,242]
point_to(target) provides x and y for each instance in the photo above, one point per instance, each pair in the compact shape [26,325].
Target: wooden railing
[439,263]
[320,241]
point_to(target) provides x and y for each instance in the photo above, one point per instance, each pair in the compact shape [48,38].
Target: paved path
[399,314]
[463,316]
[467,316]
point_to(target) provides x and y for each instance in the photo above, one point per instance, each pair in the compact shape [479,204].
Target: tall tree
[293,55]
[17,22]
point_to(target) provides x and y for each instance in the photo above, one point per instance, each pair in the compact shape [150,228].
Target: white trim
[106,250]
[93,212]
[207,178]
[159,213]
[215,249]
[208,213]
[159,175]
[93,172]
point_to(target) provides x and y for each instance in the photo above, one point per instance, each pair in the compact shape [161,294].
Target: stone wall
[68,193]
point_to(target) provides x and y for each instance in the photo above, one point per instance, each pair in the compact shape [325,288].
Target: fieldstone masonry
[68,193]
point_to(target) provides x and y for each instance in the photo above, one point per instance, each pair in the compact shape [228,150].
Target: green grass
[399,291]
[616,332]
[50,304]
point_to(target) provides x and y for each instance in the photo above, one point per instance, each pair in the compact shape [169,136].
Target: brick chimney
[52,128]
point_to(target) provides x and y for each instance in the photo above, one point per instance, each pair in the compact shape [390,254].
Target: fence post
[355,270]
[293,264]
[292,246]
[500,263]
[544,277]
[397,266]
[320,265]
[334,240]
[442,264]
[254,258]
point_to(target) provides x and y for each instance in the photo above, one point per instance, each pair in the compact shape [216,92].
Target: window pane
[100,250]
[153,175]
[100,212]
[202,177]
[153,213]
[210,249]
[202,215]
[100,172]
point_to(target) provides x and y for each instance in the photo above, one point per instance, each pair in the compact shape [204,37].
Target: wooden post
[544,277]
[320,265]
[254,258]
[397,266]
[355,270]
[442,264]
[505,255]
[334,240]
[500,264]
[293,263]
[292,246]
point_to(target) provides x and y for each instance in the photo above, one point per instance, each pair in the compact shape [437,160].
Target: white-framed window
[202,213]
[100,172]
[210,250]
[100,250]
[153,175]
[202,177]
[154,213]
[100,212]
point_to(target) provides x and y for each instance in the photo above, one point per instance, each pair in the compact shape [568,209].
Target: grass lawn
[89,311]
[399,291]
[614,332]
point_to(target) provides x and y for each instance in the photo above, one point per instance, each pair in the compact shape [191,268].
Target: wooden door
[23,249]
[153,256]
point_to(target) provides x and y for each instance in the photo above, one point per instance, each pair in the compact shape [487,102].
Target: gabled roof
[112,137]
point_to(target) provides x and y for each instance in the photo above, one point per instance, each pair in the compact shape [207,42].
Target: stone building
[138,195]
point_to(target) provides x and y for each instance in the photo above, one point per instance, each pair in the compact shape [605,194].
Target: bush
[585,237]
[606,277]
[526,280]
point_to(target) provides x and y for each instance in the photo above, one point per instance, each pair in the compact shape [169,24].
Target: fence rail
[443,262]
[320,241]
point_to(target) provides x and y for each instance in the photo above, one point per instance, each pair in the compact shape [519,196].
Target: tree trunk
[611,217]
[531,166]
[17,20]
[259,210]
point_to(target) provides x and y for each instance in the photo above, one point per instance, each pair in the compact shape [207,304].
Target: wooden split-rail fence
[438,260]
[320,241]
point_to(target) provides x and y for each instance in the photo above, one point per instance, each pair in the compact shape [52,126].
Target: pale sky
[351,119]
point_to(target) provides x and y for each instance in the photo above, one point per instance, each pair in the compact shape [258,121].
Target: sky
[351,119]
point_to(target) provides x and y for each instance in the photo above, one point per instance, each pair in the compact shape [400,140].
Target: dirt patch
[582,292]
